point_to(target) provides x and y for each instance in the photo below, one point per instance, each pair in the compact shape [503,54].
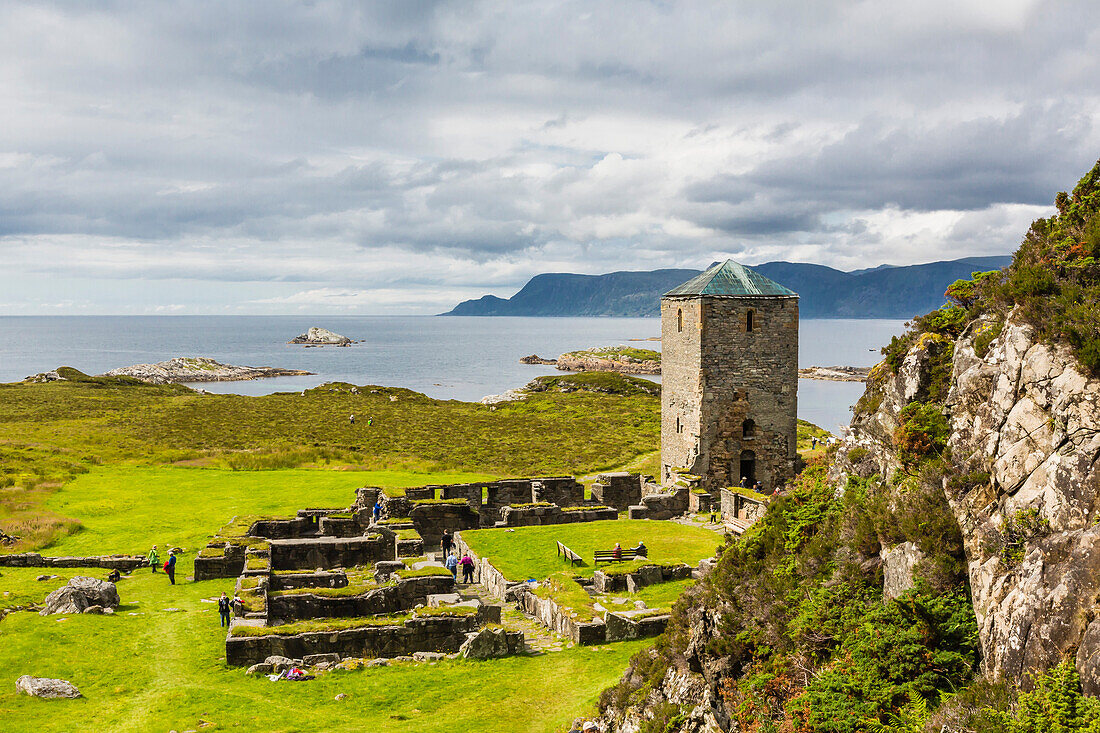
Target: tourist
[467,563]
[641,550]
[758,487]
[446,542]
[170,566]
[745,483]
[154,559]
[223,608]
[813,442]
[352,419]
[617,552]
[370,421]
[713,515]
[114,576]
[377,511]
[452,564]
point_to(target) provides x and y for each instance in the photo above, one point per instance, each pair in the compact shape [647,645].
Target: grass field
[131,508]
[163,670]
[51,433]
[531,552]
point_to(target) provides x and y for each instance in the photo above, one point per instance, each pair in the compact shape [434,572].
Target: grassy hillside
[52,432]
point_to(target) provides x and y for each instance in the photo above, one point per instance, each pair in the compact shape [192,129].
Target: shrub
[922,430]
[986,335]
[1018,530]
[855,455]
[1056,704]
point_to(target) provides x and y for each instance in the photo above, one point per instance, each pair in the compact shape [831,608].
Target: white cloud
[389,156]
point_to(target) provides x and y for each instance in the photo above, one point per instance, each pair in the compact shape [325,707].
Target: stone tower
[729,374]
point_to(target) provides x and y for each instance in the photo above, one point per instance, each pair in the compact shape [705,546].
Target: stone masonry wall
[716,376]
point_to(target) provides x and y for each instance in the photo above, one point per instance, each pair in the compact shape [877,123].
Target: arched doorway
[748,466]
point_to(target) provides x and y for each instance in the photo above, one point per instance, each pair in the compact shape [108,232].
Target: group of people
[452,561]
[169,565]
[826,441]
[370,420]
[747,483]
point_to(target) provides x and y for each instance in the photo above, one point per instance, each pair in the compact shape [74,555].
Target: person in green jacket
[153,558]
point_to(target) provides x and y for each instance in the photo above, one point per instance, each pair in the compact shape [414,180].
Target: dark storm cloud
[331,141]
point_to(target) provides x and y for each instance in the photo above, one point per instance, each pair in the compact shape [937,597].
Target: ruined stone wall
[330,552]
[405,595]
[619,490]
[717,375]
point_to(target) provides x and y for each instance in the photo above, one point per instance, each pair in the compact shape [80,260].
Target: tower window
[679,319]
[679,426]
[750,318]
[748,429]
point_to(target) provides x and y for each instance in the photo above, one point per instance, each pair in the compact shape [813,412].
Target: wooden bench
[569,555]
[609,556]
[735,525]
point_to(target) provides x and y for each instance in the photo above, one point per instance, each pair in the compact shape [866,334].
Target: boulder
[80,593]
[94,609]
[311,660]
[897,568]
[261,668]
[46,687]
[485,644]
[321,337]
[281,664]
[427,656]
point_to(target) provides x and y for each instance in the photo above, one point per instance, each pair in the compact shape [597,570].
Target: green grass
[131,508]
[160,671]
[50,433]
[531,552]
[615,353]
[568,594]
[662,595]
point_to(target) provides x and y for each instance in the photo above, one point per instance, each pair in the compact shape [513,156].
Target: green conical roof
[730,278]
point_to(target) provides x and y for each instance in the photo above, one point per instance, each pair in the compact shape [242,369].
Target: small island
[199,369]
[835,373]
[625,359]
[321,337]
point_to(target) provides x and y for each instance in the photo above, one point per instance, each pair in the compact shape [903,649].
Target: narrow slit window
[750,319]
[680,319]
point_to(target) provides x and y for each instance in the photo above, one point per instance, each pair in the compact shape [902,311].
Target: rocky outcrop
[608,359]
[321,337]
[1026,436]
[199,369]
[536,359]
[79,594]
[46,688]
[898,563]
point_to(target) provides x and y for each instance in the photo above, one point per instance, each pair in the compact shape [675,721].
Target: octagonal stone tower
[729,374]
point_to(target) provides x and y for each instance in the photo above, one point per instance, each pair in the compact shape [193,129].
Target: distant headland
[882,292]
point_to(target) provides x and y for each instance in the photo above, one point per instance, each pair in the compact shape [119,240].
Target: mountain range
[886,291]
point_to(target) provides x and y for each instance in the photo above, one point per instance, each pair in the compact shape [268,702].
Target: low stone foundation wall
[405,595]
[125,563]
[625,625]
[619,490]
[664,505]
[329,552]
[538,515]
[643,576]
[339,527]
[484,572]
[430,519]
[293,581]
[739,506]
[553,617]
[429,634]
[700,502]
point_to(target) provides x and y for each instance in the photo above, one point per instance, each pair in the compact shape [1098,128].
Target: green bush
[1056,705]
[922,431]
[855,455]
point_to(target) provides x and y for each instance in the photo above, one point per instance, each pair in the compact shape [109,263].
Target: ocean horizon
[456,357]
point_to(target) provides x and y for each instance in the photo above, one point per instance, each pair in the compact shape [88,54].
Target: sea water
[462,358]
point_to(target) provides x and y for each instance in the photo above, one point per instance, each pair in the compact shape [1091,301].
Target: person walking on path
[223,608]
[452,564]
[467,568]
[446,542]
[154,558]
[170,566]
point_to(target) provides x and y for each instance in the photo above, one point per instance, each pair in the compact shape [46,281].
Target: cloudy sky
[328,157]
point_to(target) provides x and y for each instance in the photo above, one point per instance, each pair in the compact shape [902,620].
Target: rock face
[490,643]
[1026,416]
[321,337]
[45,687]
[199,369]
[606,360]
[897,568]
[79,594]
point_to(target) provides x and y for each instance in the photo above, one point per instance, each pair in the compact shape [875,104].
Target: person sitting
[114,576]
[641,550]
[745,483]
[617,552]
